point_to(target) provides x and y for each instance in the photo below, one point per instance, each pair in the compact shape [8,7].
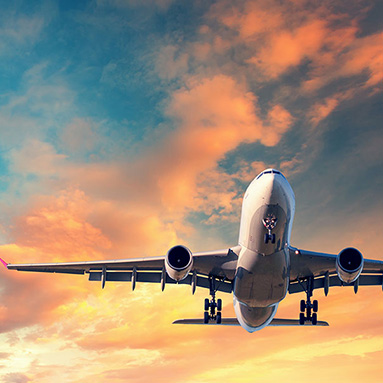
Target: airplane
[259,271]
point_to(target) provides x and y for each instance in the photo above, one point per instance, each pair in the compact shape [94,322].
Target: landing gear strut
[212,307]
[269,237]
[308,309]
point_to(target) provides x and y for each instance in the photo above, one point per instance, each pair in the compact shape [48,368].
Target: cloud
[277,39]
[79,136]
[169,65]
[34,107]
[162,5]
[59,226]
[250,20]
[20,308]
[20,30]
[16,377]
[288,49]
[362,56]
[321,110]
[214,116]
[36,157]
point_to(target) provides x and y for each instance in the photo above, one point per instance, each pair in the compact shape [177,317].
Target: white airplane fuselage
[262,275]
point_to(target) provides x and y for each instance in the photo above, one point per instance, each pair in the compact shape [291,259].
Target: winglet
[4,263]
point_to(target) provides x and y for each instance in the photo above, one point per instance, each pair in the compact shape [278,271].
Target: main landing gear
[212,307]
[308,309]
[270,222]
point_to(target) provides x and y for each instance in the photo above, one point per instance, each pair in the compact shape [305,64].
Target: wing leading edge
[220,264]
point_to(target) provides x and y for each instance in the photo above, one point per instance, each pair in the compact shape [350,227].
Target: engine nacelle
[349,264]
[178,262]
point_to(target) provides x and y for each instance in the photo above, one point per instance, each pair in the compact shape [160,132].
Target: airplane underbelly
[261,280]
[254,318]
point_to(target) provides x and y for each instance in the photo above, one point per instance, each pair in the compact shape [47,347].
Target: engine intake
[349,264]
[178,262]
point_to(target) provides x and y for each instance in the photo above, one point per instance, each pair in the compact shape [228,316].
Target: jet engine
[178,262]
[349,264]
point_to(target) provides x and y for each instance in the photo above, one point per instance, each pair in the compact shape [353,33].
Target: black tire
[303,305]
[302,319]
[315,306]
[219,318]
[266,238]
[219,304]
[207,304]
[273,238]
[205,317]
[314,319]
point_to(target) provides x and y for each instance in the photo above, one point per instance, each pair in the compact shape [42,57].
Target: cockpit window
[271,171]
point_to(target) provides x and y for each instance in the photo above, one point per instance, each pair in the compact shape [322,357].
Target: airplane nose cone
[270,188]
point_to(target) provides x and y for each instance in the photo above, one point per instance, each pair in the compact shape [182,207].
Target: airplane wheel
[302,319]
[266,238]
[315,306]
[273,238]
[219,304]
[314,319]
[206,317]
[219,318]
[303,305]
[207,304]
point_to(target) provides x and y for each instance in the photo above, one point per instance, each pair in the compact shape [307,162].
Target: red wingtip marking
[4,263]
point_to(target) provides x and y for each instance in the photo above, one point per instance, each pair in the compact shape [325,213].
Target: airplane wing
[321,269]
[220,264]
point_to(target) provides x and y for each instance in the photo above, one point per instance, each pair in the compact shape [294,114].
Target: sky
[127,127]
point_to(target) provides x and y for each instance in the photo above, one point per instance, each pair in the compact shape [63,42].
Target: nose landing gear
[270,222]
[269,237]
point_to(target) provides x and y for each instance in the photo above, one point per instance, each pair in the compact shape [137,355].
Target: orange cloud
[58,227]
[253,20]
[288,49]
[280,37]
[320,111]
[360,56]
[214,116]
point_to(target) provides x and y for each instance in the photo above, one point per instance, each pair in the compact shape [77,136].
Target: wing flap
[319,282]
[155,277]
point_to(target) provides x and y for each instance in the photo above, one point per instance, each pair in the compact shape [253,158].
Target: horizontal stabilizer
[225,322]
[234,322]
[294,322]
